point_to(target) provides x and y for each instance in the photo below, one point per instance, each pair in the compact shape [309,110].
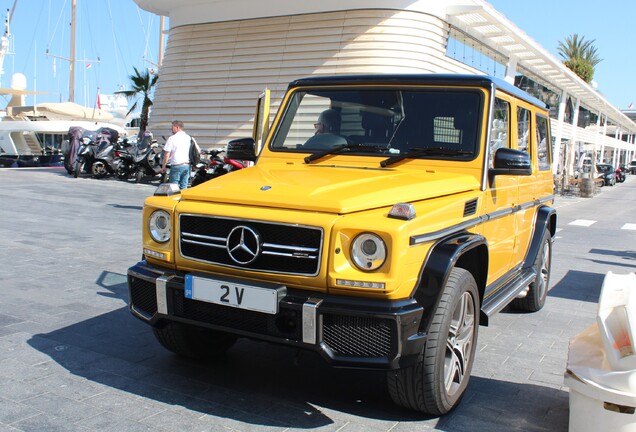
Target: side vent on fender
[470,208]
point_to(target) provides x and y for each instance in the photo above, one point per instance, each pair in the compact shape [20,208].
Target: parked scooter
[620,175]
[125,160]
[211,168]
[217,166]
[234,164]
[86,153]
[105,162]
[147,157]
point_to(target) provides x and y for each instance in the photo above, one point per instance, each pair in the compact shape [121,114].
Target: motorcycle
[86,153]
[234,164]
[147,157]
[215,167]
[124,155]
[210,169]
[105,162]
[620,175]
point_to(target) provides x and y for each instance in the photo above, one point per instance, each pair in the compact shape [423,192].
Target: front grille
[286,324]
[254,245]
[358,336]
[143,295]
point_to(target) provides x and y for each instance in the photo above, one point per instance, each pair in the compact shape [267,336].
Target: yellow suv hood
[329,189]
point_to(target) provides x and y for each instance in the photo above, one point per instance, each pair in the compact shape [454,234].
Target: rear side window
[523,129]
[543,143]
[499,136]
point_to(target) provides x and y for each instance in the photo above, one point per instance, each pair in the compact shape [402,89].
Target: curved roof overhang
[477,18]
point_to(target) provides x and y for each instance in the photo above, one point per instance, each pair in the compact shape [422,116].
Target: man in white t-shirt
[177,153]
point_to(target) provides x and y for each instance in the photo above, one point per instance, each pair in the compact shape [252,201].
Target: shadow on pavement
[259,383]
[578,285]
[618,258]
[116,283]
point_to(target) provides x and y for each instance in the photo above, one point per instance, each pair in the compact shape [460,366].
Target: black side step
[507,292]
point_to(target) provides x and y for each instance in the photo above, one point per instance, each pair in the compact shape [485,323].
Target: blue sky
[122,35]
[117,32]
[609,23]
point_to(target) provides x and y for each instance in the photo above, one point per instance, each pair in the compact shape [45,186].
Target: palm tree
[142,85]
[580,56]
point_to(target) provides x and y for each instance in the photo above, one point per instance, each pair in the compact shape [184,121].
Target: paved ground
[72,358]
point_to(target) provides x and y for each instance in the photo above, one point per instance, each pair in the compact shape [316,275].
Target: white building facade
[221,54]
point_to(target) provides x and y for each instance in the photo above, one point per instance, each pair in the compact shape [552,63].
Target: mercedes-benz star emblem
[243,244]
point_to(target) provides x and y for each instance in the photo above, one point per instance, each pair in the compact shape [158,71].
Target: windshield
[381,122]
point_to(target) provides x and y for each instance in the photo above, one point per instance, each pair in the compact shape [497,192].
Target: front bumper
[347,332]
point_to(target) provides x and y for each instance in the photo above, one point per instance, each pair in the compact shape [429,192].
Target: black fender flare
[466,250]
[545,220]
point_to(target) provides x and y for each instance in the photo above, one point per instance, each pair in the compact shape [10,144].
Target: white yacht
[33,135]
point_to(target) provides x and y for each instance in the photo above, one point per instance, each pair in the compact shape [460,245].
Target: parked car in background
[632,167]
[607,173]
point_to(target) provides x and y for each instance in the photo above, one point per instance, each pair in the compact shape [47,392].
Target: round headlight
[368,252]
[159,226]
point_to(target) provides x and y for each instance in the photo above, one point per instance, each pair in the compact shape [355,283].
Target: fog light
[360,284]
[155,254]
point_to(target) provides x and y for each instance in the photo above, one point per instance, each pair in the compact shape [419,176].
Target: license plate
[226,292]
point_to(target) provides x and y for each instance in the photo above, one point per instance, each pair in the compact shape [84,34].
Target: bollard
[587,188]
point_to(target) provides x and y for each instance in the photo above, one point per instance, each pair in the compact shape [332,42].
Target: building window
[531,84]
[473,53]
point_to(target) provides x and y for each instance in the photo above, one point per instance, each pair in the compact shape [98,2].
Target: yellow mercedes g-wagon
[385,219]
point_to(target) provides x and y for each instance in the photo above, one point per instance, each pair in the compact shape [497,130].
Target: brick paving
[72,358]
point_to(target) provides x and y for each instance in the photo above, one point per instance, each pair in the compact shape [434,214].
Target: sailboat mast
[71,80]
[161,43]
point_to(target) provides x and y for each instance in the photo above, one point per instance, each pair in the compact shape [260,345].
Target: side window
[301,126]
[499,136]
[543,143]
[523,129]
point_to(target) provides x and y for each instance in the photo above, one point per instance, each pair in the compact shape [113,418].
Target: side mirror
[511,162]
[241,149]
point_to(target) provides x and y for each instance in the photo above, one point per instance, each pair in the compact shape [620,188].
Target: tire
[122,174]
[437,382]
[77,169]
[98,169]
[193,342]
[538,290]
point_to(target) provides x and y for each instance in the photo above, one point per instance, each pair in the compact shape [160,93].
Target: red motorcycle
[620,175]
[215,166]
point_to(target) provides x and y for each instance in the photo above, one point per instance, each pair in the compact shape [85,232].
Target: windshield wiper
[418,151]
[339,149]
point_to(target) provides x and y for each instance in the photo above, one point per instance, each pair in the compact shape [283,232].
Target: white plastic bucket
[594,409]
